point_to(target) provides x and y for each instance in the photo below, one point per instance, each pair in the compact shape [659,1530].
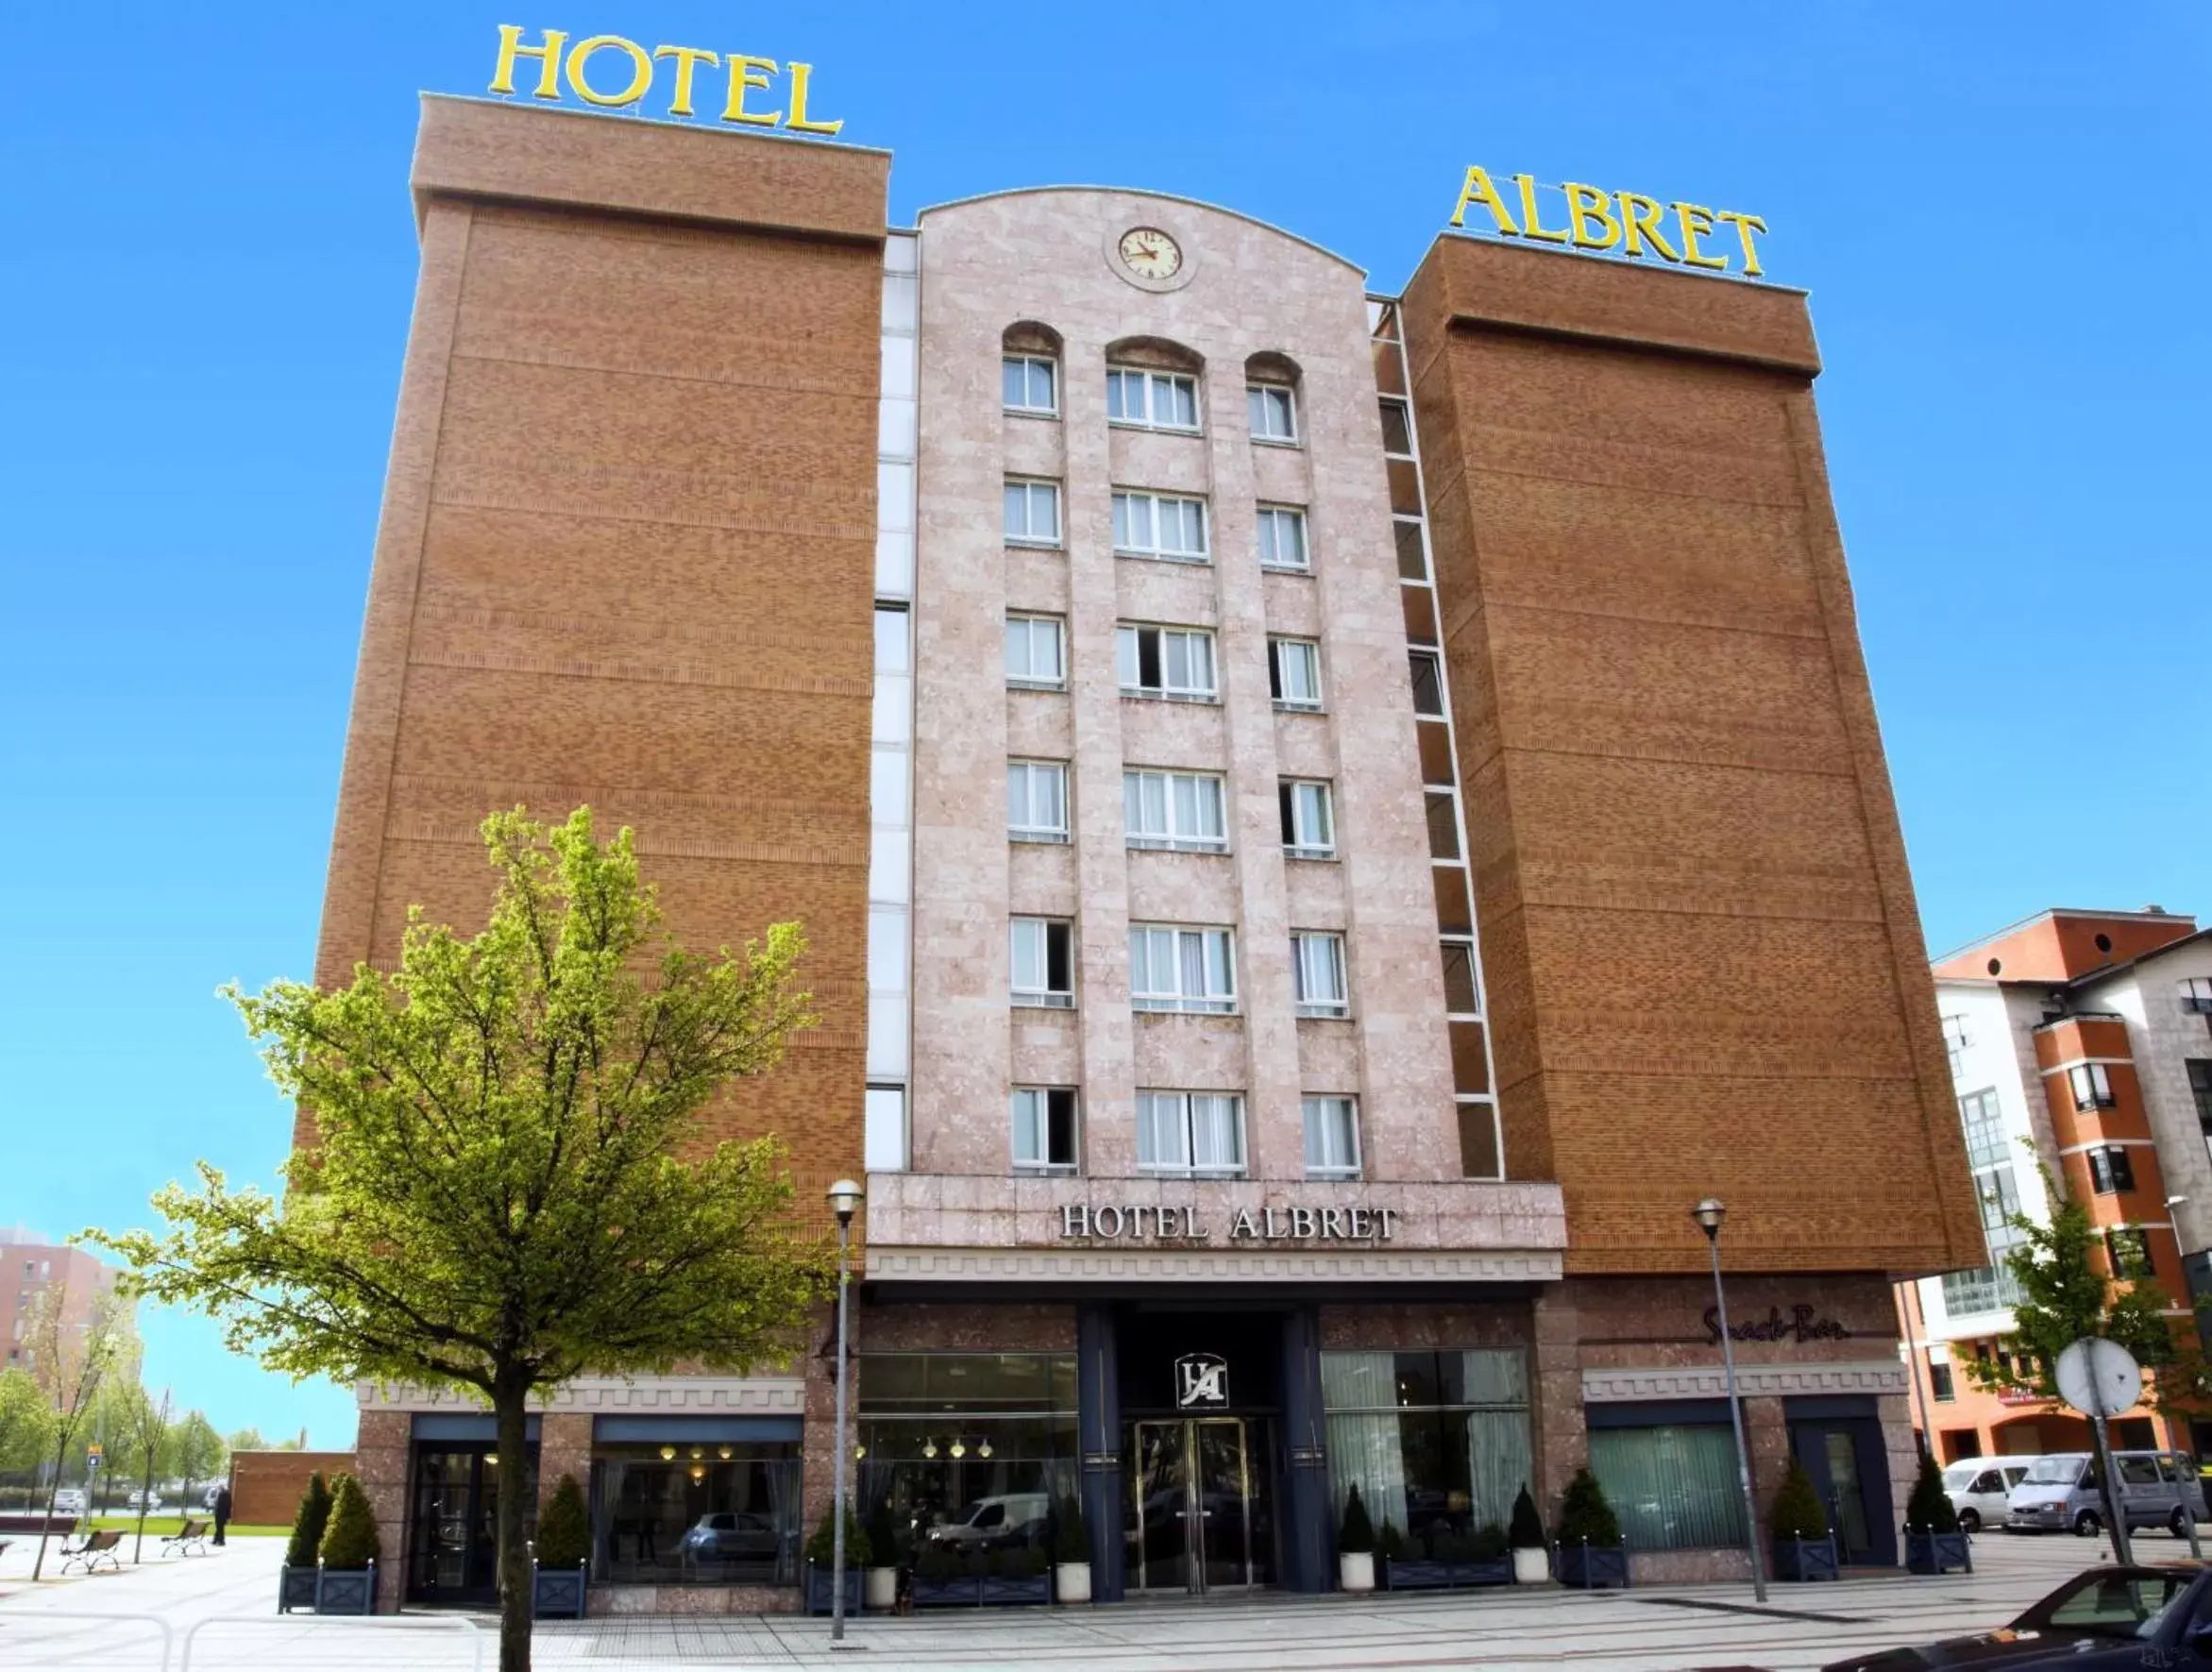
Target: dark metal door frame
[1194,1516]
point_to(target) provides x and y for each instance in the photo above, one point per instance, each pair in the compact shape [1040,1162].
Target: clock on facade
[1149,253]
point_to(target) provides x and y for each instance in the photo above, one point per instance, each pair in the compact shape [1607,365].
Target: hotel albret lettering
[615,74]
[1626,221]
[1138,1221]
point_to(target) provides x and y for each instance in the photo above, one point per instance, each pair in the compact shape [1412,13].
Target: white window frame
[1216,956]
[2091,1086]
[1297,842]
[1046,997]
[1436,797]
[1261,427]
[2196,995]
[1149,388]
[1021,830]
[1135,505]
[1404,406]
[1174,1115]
[1029,623]
[1414,657]
[1027,534]
[1320,952]
[1136,781]
[1339,1130]
[1030,1111]
[1129,661]
[1278,645]
[1272,521]
[1029,363]
[1466,944]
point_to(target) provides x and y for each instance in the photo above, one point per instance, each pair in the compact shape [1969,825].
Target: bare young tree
[151,1439]
[75,1344]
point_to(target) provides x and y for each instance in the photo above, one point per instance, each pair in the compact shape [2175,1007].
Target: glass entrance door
[453,1544]
[1192,1508]
[1842,1456]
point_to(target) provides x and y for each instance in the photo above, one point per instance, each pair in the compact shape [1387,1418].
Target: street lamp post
[844,1199]
[1709,1213]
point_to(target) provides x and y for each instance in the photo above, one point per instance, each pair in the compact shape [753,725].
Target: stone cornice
[1261,1265]
[1709,1381]
[643,1395]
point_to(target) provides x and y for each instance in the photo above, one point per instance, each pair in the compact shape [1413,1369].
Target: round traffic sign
[2098,1377]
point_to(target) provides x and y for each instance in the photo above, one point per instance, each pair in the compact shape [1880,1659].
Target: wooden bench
[189,1538]
[33,1522]
[93,1549]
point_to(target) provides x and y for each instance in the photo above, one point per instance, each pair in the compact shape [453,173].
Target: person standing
[222,1509]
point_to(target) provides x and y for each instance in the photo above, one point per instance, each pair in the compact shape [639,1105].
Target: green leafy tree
[506,1186]
[200,1453]
[1795,1512]
[248,1440]
[26,1422]
[307,1523]
[71,1362]
[350,1540]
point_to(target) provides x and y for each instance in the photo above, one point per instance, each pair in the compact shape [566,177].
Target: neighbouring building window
[1196,1132]
[2092,1086]
[1282,537]
[1317,969]
[1397,429]
[694,1509]
[1459,997]
[1037,801]
[1428,671]
[1178,810]
[1174,969]
[2110,1171]
[1956,1041]
[1435,1440]
[1152,400]
[1294,673]
[1033,512]
[1031,384]
[1939,1380]
[1444,823]
[1310,830]
[1044,1128]
[1159,525]
[1412,557]
[1174,663]
[1043,962]
[1036,653]
[1272,411]
[2130,1249]
[1673,1485]
[1332,1138]
[2199,1073]
[2196,995]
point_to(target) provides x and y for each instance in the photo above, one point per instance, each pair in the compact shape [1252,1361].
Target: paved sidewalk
[1664,1629]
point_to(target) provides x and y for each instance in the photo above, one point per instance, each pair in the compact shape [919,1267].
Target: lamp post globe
[844,1197]
[1709,1213]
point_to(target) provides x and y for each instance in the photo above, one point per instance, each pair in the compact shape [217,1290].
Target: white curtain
[1363,1448]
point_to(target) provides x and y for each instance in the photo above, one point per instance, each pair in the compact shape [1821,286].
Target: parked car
[70,1501]
[2061,1493]
[2100,1621]
[209,1497]
[152,1500]
[993,1523]
[731,1535]
[1979,1488]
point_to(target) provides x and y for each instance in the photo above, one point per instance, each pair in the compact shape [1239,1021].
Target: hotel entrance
[1198,1517]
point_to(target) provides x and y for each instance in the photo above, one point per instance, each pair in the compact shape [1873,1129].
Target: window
[1308,830]
[695,1503]
[1990,1156]
[1317,974]
[1984,1128]
[1179,810]
[2091,1085]
[1956,1042]
[1182,970]
[1044,1128]
[1673,1486]
[1043,962]
[1175,663]
[1037,801]
[2130,1249]
[1190,1132]
[1152,400]
[1036,654]
[1332,1138]
[1282,537]
[2196,995]
[2110,1171]
[1033,512]
[1459,997]
[1444,823]
[1031,383]
[1437,1442]
[1272,411]
[1397,429]
[1428,671]
[1412,559]
[1939,1382]
[1159,525]
[1294,673]
[2200,1069]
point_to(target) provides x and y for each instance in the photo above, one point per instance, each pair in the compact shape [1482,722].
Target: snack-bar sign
[1585,217]
[615,74]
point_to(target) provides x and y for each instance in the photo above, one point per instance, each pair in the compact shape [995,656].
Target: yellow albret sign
[1626,221]
[625,72]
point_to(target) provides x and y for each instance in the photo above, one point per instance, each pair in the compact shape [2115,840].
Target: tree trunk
[511,1412]
[53,1492]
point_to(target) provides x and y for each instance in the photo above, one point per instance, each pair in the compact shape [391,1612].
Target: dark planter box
[1937,1552]
[990,1590]
[556,1593]
[964,1592]
[1807,1558]
[295,1588]
[1592,1566]
[346,1590]
[820,1593]
[1419,1574]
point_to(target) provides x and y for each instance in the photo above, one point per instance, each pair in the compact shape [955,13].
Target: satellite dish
[2098,1377]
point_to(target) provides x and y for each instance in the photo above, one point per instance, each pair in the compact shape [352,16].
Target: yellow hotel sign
[1626,221]
[613,74]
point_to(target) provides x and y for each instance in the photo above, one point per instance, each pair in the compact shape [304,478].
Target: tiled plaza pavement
[1647,1630]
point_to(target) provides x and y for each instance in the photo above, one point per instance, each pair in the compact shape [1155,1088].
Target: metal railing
[170,1645]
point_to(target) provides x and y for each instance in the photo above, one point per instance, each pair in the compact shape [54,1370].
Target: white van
[2061,1493]
[1015,1518]
[1980,1487]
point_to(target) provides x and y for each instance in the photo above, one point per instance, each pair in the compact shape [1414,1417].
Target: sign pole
[2121,1552]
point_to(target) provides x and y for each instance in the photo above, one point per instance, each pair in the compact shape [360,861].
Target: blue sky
[1998,208]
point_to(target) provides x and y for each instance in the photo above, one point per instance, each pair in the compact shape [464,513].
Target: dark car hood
[2001,1647]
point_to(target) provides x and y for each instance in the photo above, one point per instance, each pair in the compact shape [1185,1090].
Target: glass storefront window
[1435,1442]
[696,1513]
[1674,1487]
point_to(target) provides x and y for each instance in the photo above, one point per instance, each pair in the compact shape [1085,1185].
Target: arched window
[1271,399]
[1153,385]
[1030,369]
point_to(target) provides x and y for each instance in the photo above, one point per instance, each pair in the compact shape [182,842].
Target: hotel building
[1327,822]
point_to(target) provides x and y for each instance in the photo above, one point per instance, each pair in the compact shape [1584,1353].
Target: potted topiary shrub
[1590,1552]
[1803,1548]
[821,1559]
[1070,1553]
[1934,1540]
[345,1583]
[557,1567]
[1356,1545]
[1019,1573]
[1531,1558]
[879,1584]
[296,1579]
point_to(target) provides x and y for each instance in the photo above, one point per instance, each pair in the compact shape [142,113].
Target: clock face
[1149,253]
